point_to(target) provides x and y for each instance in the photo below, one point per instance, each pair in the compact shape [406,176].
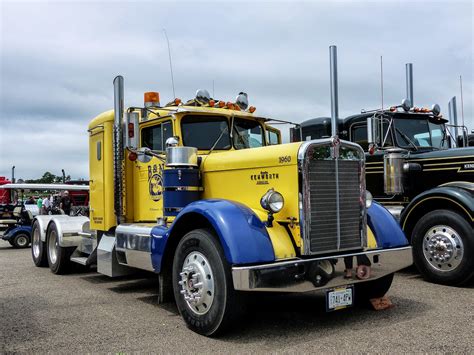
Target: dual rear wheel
[50,253]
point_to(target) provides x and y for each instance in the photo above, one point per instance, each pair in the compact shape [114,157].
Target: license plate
[339,298]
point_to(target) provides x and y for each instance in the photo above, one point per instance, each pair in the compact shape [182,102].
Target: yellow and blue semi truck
[204,194]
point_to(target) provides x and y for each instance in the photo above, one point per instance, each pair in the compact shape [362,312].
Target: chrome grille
[334,222]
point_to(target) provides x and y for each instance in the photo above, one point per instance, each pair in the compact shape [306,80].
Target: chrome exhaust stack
[453,117]
[334,94]
[118,148]
[409,82]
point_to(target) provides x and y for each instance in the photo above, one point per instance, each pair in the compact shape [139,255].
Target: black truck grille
[323,220]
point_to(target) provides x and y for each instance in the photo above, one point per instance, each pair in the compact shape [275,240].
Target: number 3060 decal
[284,159]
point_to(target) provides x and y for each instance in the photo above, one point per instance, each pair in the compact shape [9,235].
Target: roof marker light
[252,109]
[152,99]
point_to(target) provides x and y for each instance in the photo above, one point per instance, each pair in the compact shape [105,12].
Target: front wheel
[21,240]
[202,284]
[443,247]
[38,248]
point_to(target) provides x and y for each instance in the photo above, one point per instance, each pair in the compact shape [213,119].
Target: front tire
[202,284]
[38,248]
[21,240]
[443,247]
[58,257]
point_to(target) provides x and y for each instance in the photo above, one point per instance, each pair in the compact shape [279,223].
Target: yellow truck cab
[203,194]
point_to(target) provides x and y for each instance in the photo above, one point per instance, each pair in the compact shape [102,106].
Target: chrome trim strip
[255,278]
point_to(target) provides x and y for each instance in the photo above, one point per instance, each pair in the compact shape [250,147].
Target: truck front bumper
[303,275]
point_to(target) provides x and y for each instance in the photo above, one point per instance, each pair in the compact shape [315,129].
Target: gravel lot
[87,312]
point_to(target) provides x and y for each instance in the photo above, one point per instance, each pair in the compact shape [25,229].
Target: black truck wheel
[443,247]
[202,284]
[21,240]
[38,248]
[364,291]
[58,257]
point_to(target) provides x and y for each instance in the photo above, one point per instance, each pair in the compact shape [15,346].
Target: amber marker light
[212,103]
[230,105]
[177,101]
[152,98]
[221,104]
[252,109]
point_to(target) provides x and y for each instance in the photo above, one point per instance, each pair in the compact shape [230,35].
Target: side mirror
[144,155]
[371,124]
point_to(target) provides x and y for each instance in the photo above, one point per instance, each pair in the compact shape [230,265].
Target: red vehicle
[4,194]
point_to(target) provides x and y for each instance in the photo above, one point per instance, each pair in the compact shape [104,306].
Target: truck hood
[254,158]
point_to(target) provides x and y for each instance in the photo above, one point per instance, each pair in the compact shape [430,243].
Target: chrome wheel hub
[36,243]
[197,283]
[443,248]
[22,241]
[53,247]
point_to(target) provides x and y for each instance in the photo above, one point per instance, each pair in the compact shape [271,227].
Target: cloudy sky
[58,60]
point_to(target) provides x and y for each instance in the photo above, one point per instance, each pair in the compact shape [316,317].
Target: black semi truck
[414,171]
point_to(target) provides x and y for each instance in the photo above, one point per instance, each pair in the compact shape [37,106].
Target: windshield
[247,134]
[203,132]
[419,133]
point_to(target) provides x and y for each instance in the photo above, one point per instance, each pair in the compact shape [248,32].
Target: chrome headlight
[272,201]
[368,198]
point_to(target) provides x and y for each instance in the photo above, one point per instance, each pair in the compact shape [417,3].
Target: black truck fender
[455,196]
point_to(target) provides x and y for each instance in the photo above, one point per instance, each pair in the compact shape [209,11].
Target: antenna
[215,96]
[462,102]
[171,66]
[381,79]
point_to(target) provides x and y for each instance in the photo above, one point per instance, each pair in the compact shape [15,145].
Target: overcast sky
[58,60]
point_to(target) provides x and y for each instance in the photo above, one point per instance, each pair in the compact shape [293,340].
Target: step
[80,260]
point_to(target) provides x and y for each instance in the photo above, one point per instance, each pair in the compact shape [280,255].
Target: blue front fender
[242,234]
[387,231]
[11,232]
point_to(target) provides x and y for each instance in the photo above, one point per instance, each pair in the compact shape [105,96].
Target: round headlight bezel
[272,201]
[368,199]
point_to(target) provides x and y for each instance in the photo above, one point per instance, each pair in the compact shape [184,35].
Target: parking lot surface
[88,312]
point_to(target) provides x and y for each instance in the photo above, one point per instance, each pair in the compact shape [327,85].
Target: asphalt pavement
[86,312]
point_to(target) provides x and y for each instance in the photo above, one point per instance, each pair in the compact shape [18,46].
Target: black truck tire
[365,291]
[443,248]
[58,257]
[21,240]
[38,248]
[202,284]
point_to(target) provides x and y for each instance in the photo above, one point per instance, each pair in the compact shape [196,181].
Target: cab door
[148,189]
[96,183]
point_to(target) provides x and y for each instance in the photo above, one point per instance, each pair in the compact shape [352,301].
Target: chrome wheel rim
[52,247]
[22,241]
[197,283]
[443,248]
[36,243]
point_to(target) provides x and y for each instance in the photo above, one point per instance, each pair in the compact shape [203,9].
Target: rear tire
[202,284]
[58,257]
[365,291]
[21,240]
[443,248]
[38,248]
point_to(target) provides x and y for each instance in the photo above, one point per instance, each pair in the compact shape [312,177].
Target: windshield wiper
[407,139]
